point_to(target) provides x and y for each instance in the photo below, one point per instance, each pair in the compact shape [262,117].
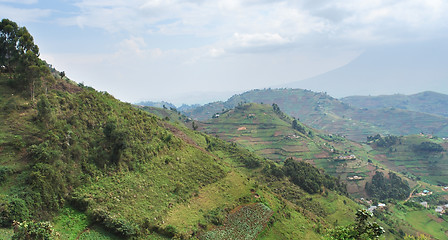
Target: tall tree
[18,53]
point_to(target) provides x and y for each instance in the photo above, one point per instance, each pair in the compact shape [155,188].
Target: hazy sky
[190,51]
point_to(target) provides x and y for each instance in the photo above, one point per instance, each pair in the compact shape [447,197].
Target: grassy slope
[430,167]
[258,128]
[176,179]
[261,129]
[321,111]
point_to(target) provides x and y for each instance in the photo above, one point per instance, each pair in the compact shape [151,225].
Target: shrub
[4,173]
[12,209]
[116,224]
[33,230]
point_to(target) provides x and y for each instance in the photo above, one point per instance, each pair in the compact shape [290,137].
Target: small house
[424,204]
[439,209]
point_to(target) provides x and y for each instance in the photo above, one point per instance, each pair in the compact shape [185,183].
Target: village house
[349,157]
[354,178]
[424,204]
[440,209]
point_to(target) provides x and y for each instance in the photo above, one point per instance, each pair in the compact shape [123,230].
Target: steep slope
[426,102]
[321,111]
[84,155]
[405,69]
[98,168]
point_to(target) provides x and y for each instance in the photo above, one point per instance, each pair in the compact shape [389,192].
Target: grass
[70,223]
[222,194]
[97,233]
[6,233]
[429,167]
[425,221]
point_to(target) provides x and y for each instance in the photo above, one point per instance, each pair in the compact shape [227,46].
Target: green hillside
[320,111]
[421,157]
[88,163]
[426,102]
[270,133]
[76,163]
[260,129]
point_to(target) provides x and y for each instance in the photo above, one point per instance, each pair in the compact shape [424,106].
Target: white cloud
[372,19]
[135,45]
[23,15]
[225,44]
[257,40]
[216,52]
[19,1]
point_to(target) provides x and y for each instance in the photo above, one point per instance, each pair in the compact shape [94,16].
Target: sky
[186,51]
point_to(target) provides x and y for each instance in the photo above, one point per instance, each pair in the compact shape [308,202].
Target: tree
[44,111]
[382,188]
[18,53]
[360,230]
[8,42]
[62,74]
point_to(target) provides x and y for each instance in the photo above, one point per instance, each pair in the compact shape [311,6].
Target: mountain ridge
[321,111]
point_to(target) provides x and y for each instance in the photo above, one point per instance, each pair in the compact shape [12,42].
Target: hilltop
[321,111]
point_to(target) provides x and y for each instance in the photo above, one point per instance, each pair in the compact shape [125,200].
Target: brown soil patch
[438,220]
[68,87]
[295,148]
[186,138]
[322,155]
[381,157]
[277,133]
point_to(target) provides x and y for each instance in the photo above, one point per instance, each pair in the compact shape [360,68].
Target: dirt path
[410,195]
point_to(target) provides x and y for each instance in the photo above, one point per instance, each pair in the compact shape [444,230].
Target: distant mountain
[321,111]
[405,69]
[161,104]
[426,102]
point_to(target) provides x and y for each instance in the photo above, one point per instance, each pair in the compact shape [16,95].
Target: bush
[12,209]
[28,230]
[4,173]
[116,224]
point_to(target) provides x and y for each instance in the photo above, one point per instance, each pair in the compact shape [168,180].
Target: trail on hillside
[410,195]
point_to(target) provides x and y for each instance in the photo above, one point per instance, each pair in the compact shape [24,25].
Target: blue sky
[197,51]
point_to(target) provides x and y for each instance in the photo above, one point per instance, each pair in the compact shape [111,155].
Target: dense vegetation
[380,141]
[428,147]
[310,178]
[384,188]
